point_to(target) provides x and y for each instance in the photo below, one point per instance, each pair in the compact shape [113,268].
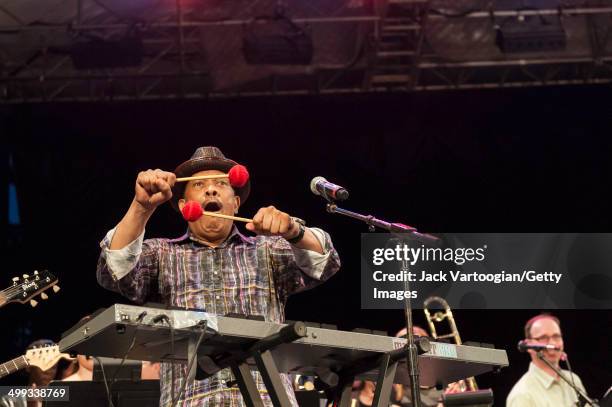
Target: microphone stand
[395,228]
[398,229]
[583,399]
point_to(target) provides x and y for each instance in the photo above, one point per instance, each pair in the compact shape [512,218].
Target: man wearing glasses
[540,386]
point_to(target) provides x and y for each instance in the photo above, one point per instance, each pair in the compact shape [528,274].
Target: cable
[571,373]
[202,325]
[108,393]
[138,320]
[164,317]
[359,53]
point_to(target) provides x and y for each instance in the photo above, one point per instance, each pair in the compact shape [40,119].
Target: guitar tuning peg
[26,276]
[56,288]
[33,303]
[15,279]
[44,296]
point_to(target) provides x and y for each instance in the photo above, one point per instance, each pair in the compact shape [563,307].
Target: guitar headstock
[45,357]
[26,287]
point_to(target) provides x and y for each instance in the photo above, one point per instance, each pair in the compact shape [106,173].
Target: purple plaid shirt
[244,275]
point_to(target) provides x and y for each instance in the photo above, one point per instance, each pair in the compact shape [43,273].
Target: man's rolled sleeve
[131,271]
[301,269]
[313,263]
[120,262]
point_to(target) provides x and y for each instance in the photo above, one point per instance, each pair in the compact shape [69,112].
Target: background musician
[541,386]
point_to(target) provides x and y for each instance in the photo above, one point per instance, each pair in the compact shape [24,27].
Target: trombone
[440,316]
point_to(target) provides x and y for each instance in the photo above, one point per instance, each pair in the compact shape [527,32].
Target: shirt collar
[234,235]
[543,377]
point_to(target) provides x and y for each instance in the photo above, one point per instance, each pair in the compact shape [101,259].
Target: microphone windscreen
[313,184]
[238,176]
[522,346]
[192,211]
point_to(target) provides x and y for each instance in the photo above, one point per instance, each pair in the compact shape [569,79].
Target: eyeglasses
[546,338]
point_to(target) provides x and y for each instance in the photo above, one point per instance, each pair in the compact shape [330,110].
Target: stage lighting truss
[398,46]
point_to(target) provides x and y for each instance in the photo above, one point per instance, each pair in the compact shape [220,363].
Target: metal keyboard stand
[260,352]
[243,345]
[387,366]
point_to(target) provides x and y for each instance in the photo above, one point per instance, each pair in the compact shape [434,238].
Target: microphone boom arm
[395,228]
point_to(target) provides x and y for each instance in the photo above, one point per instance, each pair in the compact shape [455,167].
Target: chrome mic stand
[583,399]
[399,229]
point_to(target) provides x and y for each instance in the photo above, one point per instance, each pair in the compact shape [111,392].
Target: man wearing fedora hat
[212,267]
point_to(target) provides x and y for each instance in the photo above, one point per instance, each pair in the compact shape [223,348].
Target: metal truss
[393,54]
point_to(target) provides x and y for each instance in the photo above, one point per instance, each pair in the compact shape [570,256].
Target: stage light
[530,34]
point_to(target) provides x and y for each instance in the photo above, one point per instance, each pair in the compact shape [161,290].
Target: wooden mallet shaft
[220,215]
[214,176]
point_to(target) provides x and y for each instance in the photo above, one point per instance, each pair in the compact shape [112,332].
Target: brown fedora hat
[206,158]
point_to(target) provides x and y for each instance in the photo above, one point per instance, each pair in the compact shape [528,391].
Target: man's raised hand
[153,187]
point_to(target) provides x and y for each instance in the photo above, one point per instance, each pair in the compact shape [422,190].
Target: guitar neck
[12,366]
[5,296]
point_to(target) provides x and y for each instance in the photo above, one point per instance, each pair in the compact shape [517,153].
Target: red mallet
[238,176]
[192,211]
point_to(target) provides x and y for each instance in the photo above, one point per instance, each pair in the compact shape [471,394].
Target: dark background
[533,160]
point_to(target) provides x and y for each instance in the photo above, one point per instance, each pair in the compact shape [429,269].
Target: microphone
[332,192]
[523,346]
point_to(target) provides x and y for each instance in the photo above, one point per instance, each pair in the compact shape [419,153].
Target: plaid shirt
[244,275]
